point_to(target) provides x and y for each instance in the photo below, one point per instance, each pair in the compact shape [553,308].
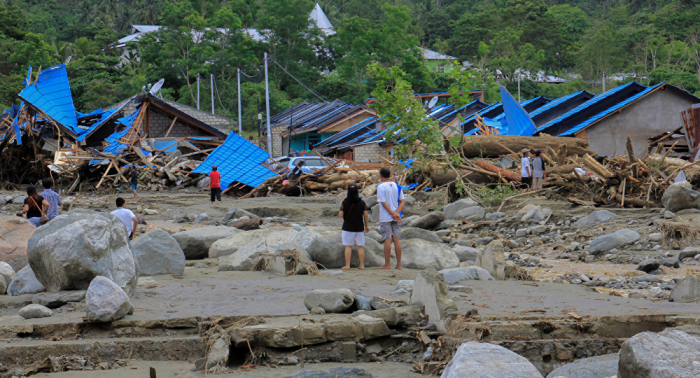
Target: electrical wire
[218,95]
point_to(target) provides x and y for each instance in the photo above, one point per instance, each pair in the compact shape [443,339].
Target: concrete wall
[653,115]
[370,152]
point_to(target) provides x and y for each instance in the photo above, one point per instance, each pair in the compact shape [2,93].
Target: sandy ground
[167,369]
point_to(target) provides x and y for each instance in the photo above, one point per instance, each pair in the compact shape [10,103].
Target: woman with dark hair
[354,212]
[35,206]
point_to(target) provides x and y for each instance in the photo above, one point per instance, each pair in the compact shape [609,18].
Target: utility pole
[518,85]
[603,82]
[211,77]
[240,118]
[197,91]
[267,109]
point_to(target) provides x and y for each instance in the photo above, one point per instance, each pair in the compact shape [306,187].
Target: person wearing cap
[215,184]
[526,170]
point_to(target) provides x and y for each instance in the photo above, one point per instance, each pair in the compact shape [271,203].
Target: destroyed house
[633,110]
[557,107]
[364,142]
[304,125]
[494,113]
[446,115]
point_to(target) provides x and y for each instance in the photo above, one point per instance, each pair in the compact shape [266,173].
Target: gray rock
[203,217]
[619,238]
[25,282]
[56,300]
[242,251]
[452,209]
[74,248]
[106,301]
[6,276]
[667,354]
[419,233]
[362,303]
[649,265]
[656,237]
[374,235]
[332,301]
[195,243]
[158,253]
[671,262]
[669,215]
[336,372]
[688,252]
[236,213]
[19,200]
[493,260]
[421,254]
[687,290]
[456,275]
[326,248]
[448,224]
[593,367]
[465,253]
[475,359]
[429,221]
[34,311]
[475,213]
[493,216]
[537,214]
[317,311]
[430,290]
[647,278]
[443,233]
[594,218]
[679,197]
[217,356]
[371,201]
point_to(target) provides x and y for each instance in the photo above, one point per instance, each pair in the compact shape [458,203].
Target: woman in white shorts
[353,210]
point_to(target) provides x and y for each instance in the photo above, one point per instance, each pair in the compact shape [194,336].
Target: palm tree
[85,12]
[62,50]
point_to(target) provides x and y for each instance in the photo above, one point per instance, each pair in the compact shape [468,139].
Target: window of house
[440,68]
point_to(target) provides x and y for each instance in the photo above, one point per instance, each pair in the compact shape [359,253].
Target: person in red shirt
[215,185]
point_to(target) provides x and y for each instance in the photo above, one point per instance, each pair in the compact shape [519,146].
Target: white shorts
[353,238]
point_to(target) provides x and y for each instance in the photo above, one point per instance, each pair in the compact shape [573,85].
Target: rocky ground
[537,255]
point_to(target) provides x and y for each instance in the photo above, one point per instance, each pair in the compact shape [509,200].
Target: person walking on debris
[126,216]
[134,180]
[36,213]
[537,171]
[354,228]
[525,170]
[53,198]
[215,184]
[391,201]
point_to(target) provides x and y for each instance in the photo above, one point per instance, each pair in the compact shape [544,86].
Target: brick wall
[370,152]
[159,123]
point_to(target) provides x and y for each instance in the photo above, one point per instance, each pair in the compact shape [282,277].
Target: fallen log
[505,173]
[498,145]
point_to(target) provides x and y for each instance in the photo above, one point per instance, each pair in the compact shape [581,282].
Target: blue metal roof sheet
[585,105]
[51,94]
[518,122]
[554,103]
[610,110]
[237,160]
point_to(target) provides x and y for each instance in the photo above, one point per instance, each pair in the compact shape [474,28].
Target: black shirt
[34,211]
[134,177]
[353,218]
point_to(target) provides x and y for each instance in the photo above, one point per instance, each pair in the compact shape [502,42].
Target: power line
[218,95]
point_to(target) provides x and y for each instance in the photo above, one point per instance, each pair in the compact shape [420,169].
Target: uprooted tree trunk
[499,145]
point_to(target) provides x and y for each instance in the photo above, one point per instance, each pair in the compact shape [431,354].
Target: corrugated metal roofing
[237,160]
[585,105]
[51,94]
[610,110]
[518,122]
[554,103]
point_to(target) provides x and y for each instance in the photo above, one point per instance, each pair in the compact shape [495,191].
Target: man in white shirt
[126,216]
[391,202]
[525,170]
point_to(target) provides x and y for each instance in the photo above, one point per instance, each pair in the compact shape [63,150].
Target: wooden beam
[171,127]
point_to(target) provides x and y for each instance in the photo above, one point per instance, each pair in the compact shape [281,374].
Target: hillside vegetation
[654,39]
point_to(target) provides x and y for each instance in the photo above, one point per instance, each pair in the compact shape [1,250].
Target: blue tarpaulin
[517,121]
[237,160]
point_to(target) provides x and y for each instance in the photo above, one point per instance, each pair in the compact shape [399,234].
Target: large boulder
[465,253]
[474,213]
[419,233]
[195,243]
[667,354]
[14,235]
[493,260]
[235,213]
[25,282]
[594,218]
[593,367]
[106,301]
[275,236]
[430,291]
[679,197]
[456,275]
[243,251]
[452,209]
[326,248]
[429,221]
[7,274]
[537,214]
[421,254]
[333,301]
[617,239]
[484,360]
[158,253]
[71,250]
[687,290]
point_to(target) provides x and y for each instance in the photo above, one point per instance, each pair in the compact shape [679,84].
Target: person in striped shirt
[53,198]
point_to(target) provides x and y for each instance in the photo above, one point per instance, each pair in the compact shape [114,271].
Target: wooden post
[171,127]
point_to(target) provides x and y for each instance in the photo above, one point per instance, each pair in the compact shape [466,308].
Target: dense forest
[651,40]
